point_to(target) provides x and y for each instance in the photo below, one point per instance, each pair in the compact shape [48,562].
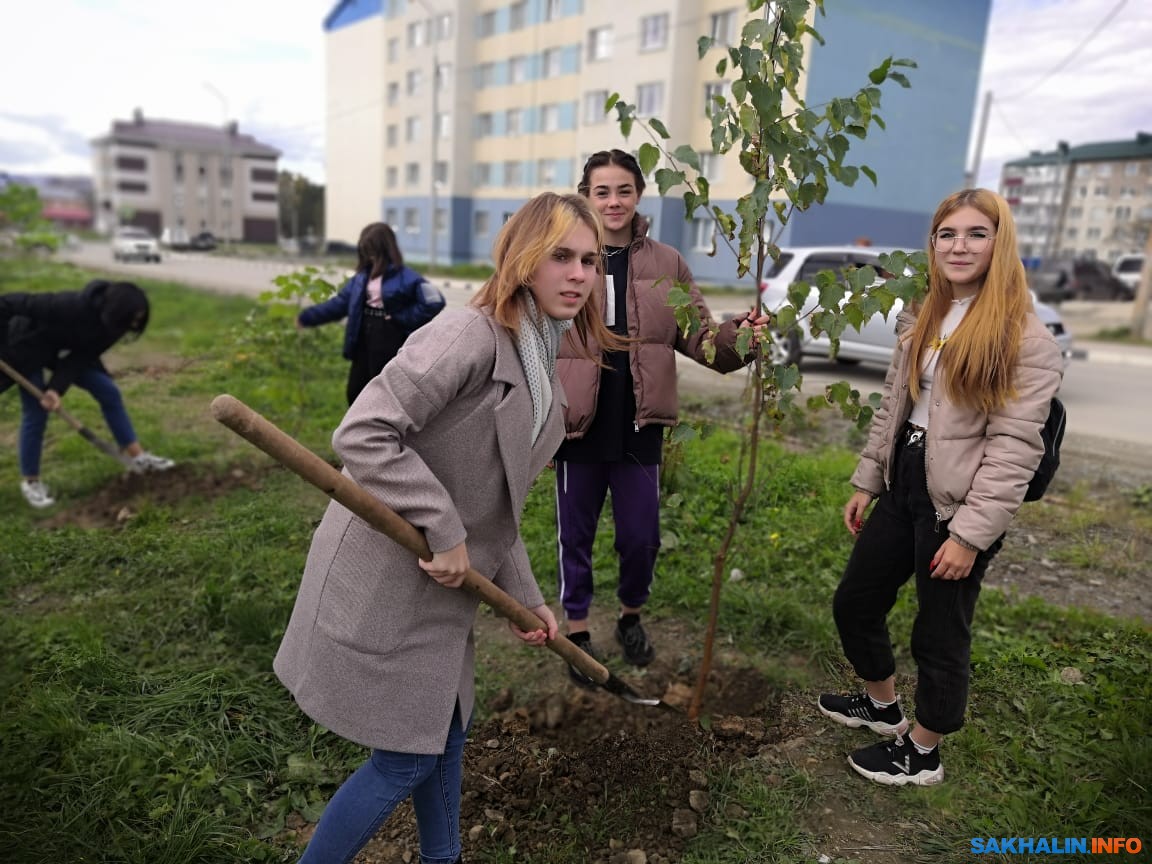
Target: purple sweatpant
[580,492]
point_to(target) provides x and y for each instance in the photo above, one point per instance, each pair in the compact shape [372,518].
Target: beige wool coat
[376,650]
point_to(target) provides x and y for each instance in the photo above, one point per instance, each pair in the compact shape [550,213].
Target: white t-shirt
[948,326]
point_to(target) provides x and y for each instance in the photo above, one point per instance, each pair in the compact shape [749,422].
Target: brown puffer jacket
[978,463]
[654,268]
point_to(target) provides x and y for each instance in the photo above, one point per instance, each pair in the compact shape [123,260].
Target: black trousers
[378,342]
[898,541]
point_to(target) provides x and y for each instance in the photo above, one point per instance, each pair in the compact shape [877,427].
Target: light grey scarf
[537,343]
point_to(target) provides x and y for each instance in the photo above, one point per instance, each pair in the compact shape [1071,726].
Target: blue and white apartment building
[444,116]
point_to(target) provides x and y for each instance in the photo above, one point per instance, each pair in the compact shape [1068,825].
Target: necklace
[964,301]
[617,251]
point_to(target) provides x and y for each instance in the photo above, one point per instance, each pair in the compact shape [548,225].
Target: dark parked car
[1094,280]
[338,247]
[204,241]
[1052,281]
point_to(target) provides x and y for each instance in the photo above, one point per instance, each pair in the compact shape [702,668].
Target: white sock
[881,705]
[920,748]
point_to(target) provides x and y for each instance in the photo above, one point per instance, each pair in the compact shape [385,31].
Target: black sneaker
[898,763]
[583,641]
[630,634]
[859,710]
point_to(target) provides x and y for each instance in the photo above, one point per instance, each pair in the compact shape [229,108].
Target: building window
[443,125]
[411,220]
[413,79]
[711,92]
[131,186]
[599,43]
[594,107]
[513,174]
[391,217]
[444,26]
[483,174]
[1092,234]
[264,197]
[1083,170]
[486,26]
[546,172]
[553,10]
[654,32]
[518,15]
[1100,191]
[1075,212]
[551,63]
[703,233]
[390,134]
[550,118]
[518,69]
[390,176]
[132,163]
[393,92]
[723,30]
[649,98]
[393,49]
[487,75]
[1123,213]
[480,222]
[711,165]
[1132,169]
[417,34]
[440,220]
[483,125]
[263,175]
[441,173]
[411,129]
[412,173]
[1104,169]
[443,76]
[514,121]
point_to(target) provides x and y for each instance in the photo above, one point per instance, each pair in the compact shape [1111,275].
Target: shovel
[260,432]
[85,433]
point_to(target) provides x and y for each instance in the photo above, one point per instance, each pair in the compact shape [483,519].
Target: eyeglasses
[945,241]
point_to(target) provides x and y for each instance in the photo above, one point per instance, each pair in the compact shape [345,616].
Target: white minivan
[1128,269]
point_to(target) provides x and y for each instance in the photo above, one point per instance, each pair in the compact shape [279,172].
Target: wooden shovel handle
[266,436]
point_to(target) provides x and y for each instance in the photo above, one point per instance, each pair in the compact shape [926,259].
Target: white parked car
[130,243]
[1128,269]
[876,339]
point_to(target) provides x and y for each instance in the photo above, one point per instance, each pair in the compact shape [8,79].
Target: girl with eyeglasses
[949,457]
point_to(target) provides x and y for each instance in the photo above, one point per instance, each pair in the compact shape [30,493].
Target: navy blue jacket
[409,301]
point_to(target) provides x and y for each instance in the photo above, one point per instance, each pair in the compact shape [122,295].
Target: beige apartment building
[444,116]
[1090,201]
[185,178]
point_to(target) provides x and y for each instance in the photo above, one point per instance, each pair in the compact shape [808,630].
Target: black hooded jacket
[63,331]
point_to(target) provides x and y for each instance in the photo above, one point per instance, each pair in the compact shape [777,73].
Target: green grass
[141,722]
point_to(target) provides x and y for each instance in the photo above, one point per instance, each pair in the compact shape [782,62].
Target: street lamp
[434,40]
[227,210]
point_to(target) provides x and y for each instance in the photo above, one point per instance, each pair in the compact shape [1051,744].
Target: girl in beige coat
[948,459]
[450,435]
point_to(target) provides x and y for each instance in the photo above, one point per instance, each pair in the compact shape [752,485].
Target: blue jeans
[369,796]
[34,418]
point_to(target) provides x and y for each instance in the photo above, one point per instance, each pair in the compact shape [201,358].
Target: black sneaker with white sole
[857,711]
[898,763]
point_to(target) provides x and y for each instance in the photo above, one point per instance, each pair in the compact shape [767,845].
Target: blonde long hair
[530,236]
[977,364]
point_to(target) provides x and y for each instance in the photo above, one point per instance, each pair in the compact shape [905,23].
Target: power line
[1059,67]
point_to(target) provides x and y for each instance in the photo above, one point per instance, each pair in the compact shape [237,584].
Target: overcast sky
[69,67]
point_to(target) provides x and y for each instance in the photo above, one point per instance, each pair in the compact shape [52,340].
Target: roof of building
[1139,147]
[192,136]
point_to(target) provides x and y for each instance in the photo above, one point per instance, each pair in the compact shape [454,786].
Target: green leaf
[648,155]
[666,178]
[660,128]
[687,155]
[703,46]
[880,73]
[869,173]
[901,79]
[610,102]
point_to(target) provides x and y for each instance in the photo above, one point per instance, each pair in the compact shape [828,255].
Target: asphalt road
[1107,389]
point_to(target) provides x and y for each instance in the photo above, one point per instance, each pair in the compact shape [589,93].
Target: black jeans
[898,540]
[378,342]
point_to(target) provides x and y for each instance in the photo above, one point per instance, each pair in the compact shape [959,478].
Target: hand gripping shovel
[86,433]
[287,451]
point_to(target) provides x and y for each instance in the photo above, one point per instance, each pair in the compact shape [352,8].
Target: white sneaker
[36,494]
[148,462]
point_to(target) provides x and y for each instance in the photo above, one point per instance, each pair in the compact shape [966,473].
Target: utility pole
[226,170]
[433,38]
[974,175]
[1140,307]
